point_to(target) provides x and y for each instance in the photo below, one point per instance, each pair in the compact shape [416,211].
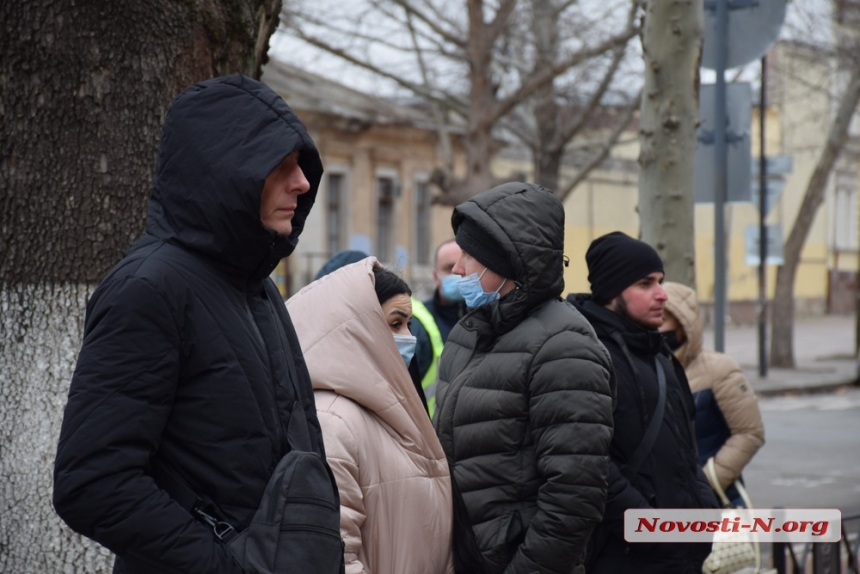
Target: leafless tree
[846,29]
[575,120]
[478,62]
[782,350]
[672,46]
[84,88]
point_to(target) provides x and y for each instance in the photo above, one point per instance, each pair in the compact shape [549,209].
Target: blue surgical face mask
[449,289]
[406,346]
[473,292]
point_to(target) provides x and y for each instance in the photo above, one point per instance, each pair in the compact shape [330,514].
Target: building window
[386,190]
[334,213]
[845,229]
[422,223]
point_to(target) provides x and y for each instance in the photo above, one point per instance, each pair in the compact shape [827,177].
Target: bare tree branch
[432,22]
[605,150]
[446,100]
[543,77]
[438,115]
[567,131]
[781,351]
[497,26]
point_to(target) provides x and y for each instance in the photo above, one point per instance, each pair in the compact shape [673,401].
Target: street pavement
[810,459]
[823,352]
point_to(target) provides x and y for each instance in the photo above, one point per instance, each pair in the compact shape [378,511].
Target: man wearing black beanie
[653,453]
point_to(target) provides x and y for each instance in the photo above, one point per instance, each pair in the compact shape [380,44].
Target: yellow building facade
[800,108]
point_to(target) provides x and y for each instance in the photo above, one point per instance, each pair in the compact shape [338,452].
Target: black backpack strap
[647,443]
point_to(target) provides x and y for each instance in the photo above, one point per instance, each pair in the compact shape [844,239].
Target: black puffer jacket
[670,476]
[182,364]
[525,398]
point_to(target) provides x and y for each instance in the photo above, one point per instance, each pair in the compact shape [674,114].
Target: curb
[793,390]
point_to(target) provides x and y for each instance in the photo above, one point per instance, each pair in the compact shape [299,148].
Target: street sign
[753,27]
[773,190]
[776,165]
[774,245]
[739,117]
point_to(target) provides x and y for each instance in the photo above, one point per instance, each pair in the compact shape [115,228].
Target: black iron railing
[821,558]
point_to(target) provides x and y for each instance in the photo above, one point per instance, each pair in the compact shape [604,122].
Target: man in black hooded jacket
[524,409]
[185,368]
[625,308]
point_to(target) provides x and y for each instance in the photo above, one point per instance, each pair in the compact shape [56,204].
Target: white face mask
[406,346]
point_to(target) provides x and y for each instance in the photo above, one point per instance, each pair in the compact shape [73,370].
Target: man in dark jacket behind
[626,307]
[185,368]
[433,319]
[524,403]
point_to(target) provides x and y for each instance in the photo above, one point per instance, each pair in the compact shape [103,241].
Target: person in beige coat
[391,472]
[728,422]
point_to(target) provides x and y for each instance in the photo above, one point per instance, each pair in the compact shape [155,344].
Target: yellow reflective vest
[428,383]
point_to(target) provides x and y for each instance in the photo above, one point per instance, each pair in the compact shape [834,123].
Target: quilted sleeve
[739,406]
[121,394]
[342,453]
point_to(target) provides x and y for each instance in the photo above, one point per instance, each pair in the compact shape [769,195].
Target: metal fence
[821,558]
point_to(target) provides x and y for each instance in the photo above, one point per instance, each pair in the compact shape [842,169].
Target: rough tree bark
[782,322]
[671,45]
[84,87]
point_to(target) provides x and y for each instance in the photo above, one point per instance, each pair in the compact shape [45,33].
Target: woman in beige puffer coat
[732,432]
[391,472]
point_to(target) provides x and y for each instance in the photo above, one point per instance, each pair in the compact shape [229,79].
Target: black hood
[221,138]
[527,222]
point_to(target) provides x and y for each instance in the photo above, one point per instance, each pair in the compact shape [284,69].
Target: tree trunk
[547,154]
[479,137]
[85,87]
[782,325]
[668,118]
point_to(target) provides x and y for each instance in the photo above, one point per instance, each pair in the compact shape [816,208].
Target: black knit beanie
[472,239]
[615,262]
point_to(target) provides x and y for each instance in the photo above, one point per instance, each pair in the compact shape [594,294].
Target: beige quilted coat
[708,369]
[391,472]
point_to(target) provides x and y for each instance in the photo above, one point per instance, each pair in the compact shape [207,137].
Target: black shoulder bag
[296,527]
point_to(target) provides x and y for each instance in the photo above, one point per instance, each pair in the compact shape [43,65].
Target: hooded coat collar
[527,221]
[220,140]
[682,303]
[349,350]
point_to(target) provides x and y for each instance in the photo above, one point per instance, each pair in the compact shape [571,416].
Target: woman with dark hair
[391,472]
